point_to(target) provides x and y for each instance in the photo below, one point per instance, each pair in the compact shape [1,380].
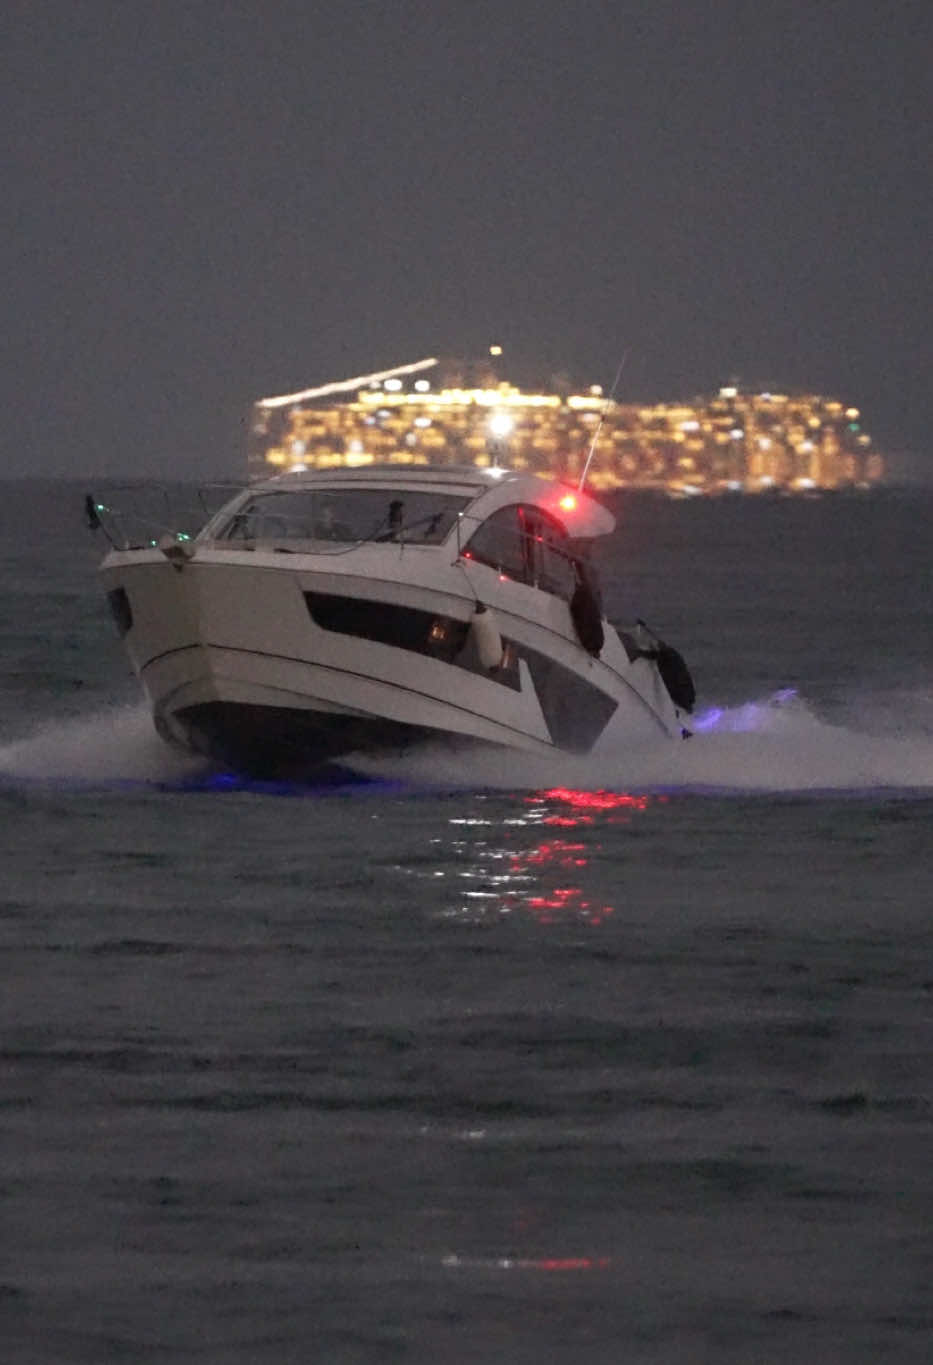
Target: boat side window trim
[387,623]
[575,710]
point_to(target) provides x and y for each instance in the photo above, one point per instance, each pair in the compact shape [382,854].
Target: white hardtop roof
[467,478]
[490,489]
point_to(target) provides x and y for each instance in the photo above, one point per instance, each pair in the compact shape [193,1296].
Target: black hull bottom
[281,742]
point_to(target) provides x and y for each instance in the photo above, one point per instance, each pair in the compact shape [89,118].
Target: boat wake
[110,747]
[776,744]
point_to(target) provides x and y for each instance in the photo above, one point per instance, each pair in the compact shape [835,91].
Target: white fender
[486,635]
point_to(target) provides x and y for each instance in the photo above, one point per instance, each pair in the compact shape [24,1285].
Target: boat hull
[274,667]
[282,741]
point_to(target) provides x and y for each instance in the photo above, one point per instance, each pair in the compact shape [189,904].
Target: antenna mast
[602,417]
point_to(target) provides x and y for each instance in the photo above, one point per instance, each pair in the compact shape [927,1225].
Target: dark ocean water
[623,1059]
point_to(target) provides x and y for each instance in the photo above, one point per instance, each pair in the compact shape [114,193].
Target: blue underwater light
[332,778]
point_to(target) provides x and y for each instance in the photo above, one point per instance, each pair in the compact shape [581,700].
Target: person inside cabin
[326,525]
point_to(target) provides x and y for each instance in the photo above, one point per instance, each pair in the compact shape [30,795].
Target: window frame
[531,523]
[299,515]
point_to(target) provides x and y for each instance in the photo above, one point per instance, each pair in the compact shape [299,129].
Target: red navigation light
[568,502]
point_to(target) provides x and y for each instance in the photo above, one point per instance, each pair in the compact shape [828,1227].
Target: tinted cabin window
[276,516]
[554,563]
[502,543]
[528,545]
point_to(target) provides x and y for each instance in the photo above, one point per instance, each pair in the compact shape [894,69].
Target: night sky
[209,202]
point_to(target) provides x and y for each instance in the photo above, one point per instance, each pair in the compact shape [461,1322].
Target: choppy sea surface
[618,1059]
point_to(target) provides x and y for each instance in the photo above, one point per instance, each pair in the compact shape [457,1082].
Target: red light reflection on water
[558,852]
[559,855]
[548,879]
[557,902]
[546,1263]
[584,804]
[571,1263]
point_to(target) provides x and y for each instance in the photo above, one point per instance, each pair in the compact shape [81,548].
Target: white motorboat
[322,613]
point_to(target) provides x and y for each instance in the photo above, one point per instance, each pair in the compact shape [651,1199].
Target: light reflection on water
[547,878]
[549,1264]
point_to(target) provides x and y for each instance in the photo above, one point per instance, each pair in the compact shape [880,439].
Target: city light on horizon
[464,413]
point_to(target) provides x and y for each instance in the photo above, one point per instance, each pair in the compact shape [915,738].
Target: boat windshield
[347,515]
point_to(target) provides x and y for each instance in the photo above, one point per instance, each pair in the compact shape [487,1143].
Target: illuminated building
[434,412]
